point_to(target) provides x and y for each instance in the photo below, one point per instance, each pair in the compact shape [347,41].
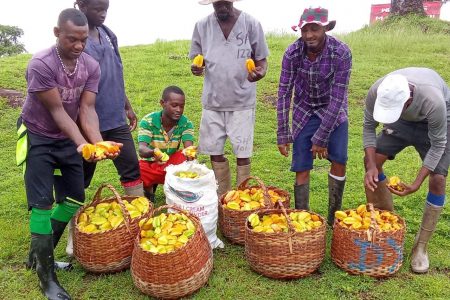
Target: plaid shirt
[320,88]
[152,132]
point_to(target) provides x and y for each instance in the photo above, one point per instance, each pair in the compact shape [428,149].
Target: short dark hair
[74,15]
[171,89]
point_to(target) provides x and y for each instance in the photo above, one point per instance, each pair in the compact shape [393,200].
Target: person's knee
[242,161]
[302,177]
[337,169]
[437,183]
[218,158]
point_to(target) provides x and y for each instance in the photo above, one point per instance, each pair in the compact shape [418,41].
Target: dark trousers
[126,163]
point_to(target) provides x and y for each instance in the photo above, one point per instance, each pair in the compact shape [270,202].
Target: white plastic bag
[198,196]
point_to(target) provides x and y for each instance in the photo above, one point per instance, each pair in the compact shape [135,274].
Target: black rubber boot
[58,230]
[301,196]
[335,192]
[42,250]
[151,195]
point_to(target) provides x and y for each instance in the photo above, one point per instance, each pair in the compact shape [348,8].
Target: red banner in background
[381,11]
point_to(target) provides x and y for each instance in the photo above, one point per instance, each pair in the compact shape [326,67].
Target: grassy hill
[376,51]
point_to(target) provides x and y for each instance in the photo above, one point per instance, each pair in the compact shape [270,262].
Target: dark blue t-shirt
[110,100]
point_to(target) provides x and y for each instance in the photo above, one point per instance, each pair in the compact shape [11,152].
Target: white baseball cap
[392,94]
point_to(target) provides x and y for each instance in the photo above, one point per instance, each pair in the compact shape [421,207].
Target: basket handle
[266,196]
[373,228]
[291,229]
[98,198]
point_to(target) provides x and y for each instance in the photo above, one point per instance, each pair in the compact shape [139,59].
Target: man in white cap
[413,104]
[316,71]
[226,39]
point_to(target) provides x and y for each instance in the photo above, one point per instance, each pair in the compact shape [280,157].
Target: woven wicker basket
[109,251]
[369,252]
[175,274]
[285,255]
[232,222]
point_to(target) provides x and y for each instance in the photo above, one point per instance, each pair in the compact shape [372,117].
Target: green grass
[148,69]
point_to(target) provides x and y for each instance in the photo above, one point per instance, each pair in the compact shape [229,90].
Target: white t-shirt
[225,86]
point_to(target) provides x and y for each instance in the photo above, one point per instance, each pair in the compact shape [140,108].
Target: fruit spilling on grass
[165,233]
[360,219]
[190,152]
[198,61]
[99,150]
[249,199]
[106,216]
[301,221]
[395,183]
[187,174]
[250,65]
[162,156]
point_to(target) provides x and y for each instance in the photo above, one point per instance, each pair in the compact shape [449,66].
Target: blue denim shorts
[302,159]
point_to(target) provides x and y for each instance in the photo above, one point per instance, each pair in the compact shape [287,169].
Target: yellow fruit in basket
[254,205]
[89,210]
[233,205]
[317,224]
[303,215]
[258,229]
[349,220]
[134,213]
[105,226]
[183,239]
[97,220]
[83,218]
[254,220]
[230,196]
[361,219]
[361,209]
[162,240]
[169,232]
[356,225]
[91,228]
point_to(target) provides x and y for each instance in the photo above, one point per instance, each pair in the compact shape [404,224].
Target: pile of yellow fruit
[249,199]
[165,233]
[302,221]
[99,150]
[359,219]
[394,182]
[106,216]
[187,174]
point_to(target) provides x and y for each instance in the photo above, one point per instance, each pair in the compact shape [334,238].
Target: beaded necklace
[64,66]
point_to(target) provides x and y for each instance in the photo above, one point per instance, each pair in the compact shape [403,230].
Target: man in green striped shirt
[163,130]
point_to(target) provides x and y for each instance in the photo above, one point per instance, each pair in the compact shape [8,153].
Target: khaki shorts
[216,126]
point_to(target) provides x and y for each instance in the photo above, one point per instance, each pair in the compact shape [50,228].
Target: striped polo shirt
[152,132]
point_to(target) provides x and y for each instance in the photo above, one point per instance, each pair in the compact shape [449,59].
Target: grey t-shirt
[431,104]
[44,73]
[225,86]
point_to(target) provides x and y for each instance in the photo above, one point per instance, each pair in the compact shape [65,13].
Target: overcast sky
[144,21]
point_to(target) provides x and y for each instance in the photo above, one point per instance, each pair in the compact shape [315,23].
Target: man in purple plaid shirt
[316,67]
